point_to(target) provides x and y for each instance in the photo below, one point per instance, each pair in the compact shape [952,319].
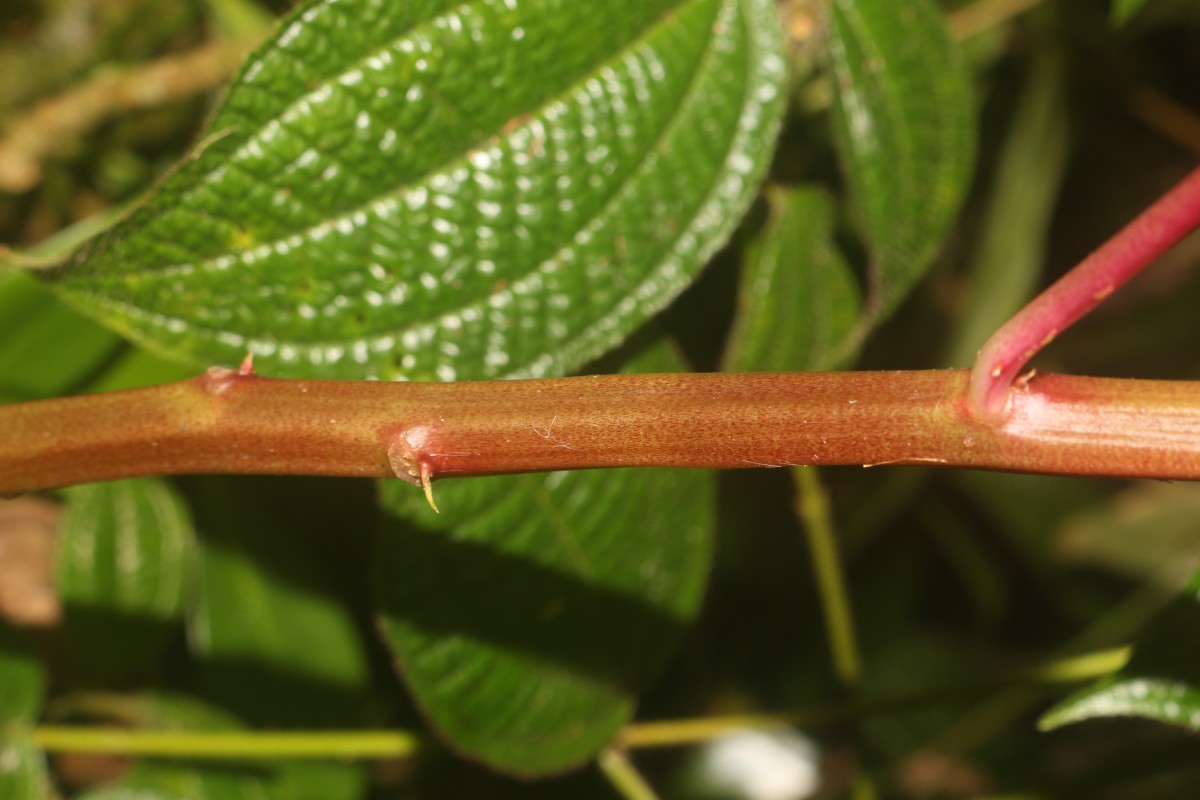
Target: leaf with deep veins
[386,193]
[527,617]
[903,120]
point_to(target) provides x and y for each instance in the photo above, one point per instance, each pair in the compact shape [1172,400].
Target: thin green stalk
[254,745]
[229,745]
[623,775]
[812,506]
[675,733]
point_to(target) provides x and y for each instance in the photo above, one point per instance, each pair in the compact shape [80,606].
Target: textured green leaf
[430,189]
[22,770]
[904,123]
[529,613]
[798,300]
[22,684]
[1161,682]
[1122,10]
[123,559]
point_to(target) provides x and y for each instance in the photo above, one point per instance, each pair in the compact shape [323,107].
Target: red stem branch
[1131,250]
[229,422]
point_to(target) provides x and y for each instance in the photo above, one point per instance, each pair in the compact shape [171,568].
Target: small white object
[779,764]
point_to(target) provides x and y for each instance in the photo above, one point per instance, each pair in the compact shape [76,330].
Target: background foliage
[499,189]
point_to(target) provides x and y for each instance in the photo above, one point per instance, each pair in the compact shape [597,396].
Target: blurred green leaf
[22,770]
[1007,265]
[124,555]
[265,603]
[1150,531]
[22,684]
[904,123]
[798,299]
[386,193]
[46,349]
[1122,10]
[527,616]
[183,781]
[1162,680]
[157,779]
[276,640]
[135,368]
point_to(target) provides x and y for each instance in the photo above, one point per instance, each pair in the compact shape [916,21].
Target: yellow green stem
[812,506]
[623,775]
[228,744]
[250,745]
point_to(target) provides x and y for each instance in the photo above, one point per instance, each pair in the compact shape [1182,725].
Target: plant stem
[675,733]
[812,507]
[623,775]
[235,422]
[1131,250]
[251,745]
[51,123]
[227,745]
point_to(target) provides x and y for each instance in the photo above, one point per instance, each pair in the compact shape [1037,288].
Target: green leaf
[1122,10]
[277,641]
[436,189]
[527,615]
[123,560]
[157,779]
[1161,681]
[279,644]
[798,300]
[904,123]
[22,684]
[1150,698]
[22,770]
[46,349]
[182,781]
[1007,264]
[1148,532]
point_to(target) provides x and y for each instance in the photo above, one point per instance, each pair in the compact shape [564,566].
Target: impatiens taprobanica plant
[501,250]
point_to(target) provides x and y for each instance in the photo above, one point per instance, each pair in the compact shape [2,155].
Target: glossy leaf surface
[386,193]
[798,300]
[529,613]
[124,555]
[1162,680]
[904,123]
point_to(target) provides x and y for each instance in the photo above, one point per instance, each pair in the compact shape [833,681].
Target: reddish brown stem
[1131,250]
[229,422]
